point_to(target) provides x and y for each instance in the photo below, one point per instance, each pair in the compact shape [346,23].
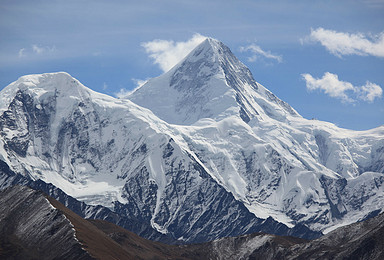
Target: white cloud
[124,93]
[339,43]
[21,52]
[37,49]
[168,53]
[370,91]
[257,53]
[332,86]
[139,82]
[105,86]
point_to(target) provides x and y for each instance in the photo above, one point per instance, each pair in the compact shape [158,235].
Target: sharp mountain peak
[210,82]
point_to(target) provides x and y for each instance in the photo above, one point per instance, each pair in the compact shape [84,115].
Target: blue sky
[325,58]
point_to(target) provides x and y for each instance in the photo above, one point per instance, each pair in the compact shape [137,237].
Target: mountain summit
[209,83]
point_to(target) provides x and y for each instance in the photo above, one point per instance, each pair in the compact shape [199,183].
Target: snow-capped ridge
[49,81]
[44,86]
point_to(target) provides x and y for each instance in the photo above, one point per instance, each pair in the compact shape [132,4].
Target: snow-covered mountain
[259,148]
[111,152]
[201,152]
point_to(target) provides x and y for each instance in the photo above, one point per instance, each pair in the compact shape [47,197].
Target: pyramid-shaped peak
[209,44]
[210,59]
[209,49]
[210,82]
[212,44]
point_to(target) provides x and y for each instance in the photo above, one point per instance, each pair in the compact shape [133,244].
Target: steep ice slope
[273,160]
[112,152]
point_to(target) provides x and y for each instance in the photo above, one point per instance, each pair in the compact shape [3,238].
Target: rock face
[36,226]
[361,240]
[30,227]
[216,155]
[8,179]
[357,241]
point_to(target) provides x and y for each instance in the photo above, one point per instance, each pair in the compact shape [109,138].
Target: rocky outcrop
[31,228]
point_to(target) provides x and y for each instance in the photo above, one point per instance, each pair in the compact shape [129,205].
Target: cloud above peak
[340,43]
[167,53]
[258,53]
[125,93]
[36,50]
[346,91]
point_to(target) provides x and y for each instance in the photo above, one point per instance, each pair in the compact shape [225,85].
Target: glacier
[200,152]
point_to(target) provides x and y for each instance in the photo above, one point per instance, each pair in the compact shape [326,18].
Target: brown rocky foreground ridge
[36,226]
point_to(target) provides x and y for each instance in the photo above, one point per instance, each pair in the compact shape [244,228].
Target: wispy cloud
[21,52]
[139,82]
[36,50]
[346,91]
[124,93]
[340,43]
[258,53]
[167,54]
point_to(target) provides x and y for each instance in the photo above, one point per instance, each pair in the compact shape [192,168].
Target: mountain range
[199,153]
